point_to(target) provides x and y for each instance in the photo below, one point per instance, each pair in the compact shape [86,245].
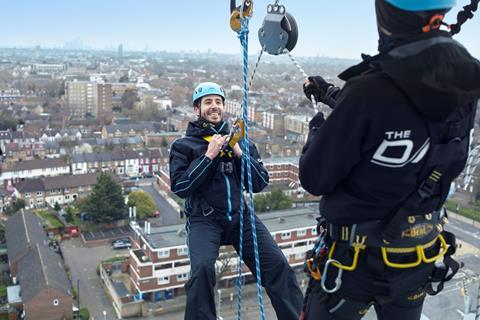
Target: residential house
[44,285]
[23,232]
[160,267]
[127,162]
[41,192]
[296,127]
[128,130]
[33,169]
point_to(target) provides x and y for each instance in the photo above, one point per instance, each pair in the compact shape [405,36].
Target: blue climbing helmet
[207,88]
[422,5]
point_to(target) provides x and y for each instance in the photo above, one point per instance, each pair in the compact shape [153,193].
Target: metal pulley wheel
[279,30]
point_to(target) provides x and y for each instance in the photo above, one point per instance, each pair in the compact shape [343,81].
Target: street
[83,263]
[167,213]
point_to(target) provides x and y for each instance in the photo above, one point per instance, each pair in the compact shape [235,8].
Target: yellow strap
[358,245]
[420,250]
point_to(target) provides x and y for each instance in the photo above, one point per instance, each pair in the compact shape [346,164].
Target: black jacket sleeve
[333,146]
[260,177]
[187,175]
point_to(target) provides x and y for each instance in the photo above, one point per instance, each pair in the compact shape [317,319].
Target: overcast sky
[342,28]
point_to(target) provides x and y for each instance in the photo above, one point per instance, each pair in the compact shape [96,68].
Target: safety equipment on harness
[207,88]
[235,15]
[236,134]
[424,5]
[279,30]
[321,90]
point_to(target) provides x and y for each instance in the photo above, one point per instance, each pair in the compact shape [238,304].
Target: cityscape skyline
[153,26]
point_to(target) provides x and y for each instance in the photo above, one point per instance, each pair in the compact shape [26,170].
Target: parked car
[121,244]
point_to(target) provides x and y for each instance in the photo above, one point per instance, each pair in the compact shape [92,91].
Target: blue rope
[243,35]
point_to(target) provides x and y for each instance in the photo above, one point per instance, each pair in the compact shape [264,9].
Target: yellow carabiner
[317,275]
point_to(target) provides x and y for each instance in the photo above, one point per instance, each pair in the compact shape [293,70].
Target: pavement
[83,263]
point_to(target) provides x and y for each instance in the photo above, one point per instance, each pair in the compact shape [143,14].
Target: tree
[16,205]
[164,142]
[106,202]
[275,200]
[278,200]
[144,202]
[57,207]
[129,97]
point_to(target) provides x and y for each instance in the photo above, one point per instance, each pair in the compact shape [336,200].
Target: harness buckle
[338,279]
[207,212]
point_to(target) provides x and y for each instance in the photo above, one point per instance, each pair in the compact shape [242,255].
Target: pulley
[279,30]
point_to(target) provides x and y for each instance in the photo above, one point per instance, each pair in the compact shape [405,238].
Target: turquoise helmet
[422,5]
[207,88]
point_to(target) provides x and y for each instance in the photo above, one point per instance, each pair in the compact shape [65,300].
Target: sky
[341,28]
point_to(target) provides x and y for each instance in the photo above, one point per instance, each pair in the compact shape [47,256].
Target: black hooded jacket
[201,181]
[372,151]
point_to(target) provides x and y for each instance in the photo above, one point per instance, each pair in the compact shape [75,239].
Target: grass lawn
[50,218]
[471,213]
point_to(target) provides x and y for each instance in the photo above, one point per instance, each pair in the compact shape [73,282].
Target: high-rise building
[120,51]
[86,98]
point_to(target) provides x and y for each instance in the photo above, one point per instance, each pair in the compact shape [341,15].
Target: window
[28,194]
[299,256]
[56,302]
[163,266]
[314,231]
[164,280]
[163,253]
[182,277]
[300,244]
[301,233]
[286,235]
[39,193]
[181,263]
[182,251]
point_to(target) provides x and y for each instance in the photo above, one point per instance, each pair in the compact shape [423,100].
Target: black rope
[463,16]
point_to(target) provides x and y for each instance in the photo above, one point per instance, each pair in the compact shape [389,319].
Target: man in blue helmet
[205,170]
[383,162]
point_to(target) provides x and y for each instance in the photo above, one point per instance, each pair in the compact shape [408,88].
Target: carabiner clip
[235,21]
[338,279]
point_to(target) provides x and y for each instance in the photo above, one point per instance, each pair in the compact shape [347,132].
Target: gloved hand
[316,121]
[321,90]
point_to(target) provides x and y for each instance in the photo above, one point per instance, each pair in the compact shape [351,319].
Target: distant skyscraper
[120,50]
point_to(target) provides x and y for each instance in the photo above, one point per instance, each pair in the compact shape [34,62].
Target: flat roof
[275,221]
[13,294]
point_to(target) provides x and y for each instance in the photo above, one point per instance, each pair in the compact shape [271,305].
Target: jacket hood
[437,74]
[201,128]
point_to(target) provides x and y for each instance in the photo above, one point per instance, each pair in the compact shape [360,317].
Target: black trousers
[396,294]
[206,235]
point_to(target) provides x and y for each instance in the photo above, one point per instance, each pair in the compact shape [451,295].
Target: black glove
[321,90]
[316,121]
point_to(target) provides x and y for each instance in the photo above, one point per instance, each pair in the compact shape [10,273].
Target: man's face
[211,108]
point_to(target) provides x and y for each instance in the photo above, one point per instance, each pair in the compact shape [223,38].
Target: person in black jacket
[383,162]
[205,170]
